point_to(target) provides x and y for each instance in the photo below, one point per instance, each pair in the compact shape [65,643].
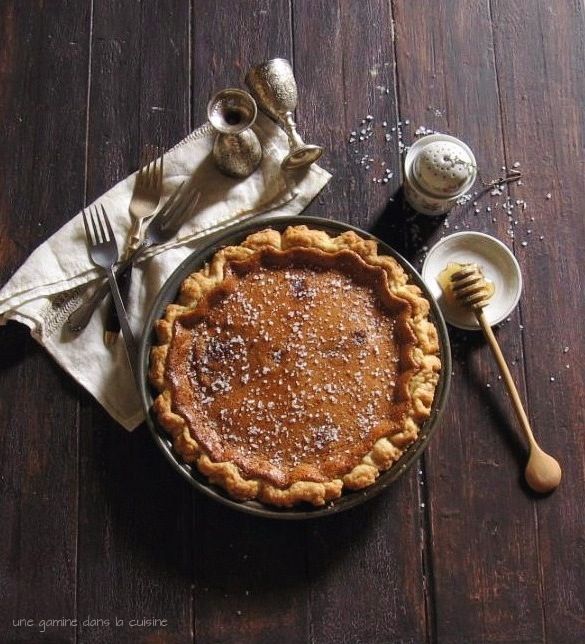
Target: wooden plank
[134,537]
[351,79]
[366,571]
[228,41]
[114,108]
[484,544]
[540,54]
[250,575]
[43,69]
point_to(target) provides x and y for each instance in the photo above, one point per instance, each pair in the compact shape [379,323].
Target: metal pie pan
[168,293]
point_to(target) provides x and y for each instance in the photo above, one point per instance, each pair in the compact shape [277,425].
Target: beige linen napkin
[52,282]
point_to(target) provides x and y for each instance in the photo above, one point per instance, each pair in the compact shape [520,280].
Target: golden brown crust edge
[418,385]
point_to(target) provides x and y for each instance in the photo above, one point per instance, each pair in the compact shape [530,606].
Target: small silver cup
[274,87]
[237,151]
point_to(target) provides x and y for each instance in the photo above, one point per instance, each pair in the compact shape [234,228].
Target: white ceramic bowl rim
[496,261]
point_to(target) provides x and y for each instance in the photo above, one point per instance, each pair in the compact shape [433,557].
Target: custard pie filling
[295,365]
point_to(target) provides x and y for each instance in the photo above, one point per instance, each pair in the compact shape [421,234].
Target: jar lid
[444,168]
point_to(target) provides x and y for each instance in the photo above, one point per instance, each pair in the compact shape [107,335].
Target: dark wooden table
[95,525]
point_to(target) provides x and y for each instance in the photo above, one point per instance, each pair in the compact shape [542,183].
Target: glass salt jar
[438,170]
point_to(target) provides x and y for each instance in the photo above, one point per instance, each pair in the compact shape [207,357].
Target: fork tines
[177,204]
[100,235]
[151,166]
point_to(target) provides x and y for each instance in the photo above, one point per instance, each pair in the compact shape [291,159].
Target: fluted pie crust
[295,365]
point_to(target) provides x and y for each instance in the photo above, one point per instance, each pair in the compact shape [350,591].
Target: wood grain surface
[94,524]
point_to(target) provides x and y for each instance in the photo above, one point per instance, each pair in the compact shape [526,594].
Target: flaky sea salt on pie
[295,366]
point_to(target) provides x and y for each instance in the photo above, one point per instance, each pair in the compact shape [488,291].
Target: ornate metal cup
[274,87]
[236,150]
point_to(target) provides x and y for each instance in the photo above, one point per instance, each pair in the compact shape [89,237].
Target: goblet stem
[290,127]
[301,154]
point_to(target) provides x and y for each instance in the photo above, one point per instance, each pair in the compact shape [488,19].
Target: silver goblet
[236,150]
[274,87]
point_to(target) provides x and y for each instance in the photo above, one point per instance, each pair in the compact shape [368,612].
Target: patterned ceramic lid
[443,168]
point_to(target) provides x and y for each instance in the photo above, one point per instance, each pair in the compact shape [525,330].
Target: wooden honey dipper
[543,472]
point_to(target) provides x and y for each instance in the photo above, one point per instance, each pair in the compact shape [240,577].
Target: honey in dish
[444,280]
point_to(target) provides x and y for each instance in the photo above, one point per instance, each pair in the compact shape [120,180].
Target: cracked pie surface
[295,365]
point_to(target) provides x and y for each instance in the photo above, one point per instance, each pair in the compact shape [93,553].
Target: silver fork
[163,226]
[147,192]
[146,197]
[103,252]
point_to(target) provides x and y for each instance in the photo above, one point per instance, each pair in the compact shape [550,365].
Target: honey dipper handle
[507,376]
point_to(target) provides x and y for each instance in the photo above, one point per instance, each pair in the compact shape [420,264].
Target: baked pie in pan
[295,365]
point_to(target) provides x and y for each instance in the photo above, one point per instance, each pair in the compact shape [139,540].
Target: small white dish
[497,264]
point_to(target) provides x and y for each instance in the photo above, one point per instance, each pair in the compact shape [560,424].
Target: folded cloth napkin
[53,281]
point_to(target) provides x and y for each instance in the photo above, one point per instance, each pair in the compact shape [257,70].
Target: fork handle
[80,318]
[112,324]
[129,341]
[135,237]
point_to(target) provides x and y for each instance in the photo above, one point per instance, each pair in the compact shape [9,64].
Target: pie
[295,366]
